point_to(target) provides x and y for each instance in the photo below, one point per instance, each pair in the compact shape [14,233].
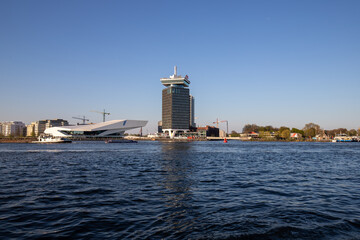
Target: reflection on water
[178,182]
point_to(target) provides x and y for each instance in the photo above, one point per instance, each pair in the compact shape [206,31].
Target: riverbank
[29,140]
[17,140]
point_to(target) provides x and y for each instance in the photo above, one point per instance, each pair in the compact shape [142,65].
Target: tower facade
[176,109]
[192,111]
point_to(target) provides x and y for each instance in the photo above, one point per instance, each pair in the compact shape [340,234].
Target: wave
[62,150]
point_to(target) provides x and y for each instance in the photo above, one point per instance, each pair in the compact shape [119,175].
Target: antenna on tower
[175,70]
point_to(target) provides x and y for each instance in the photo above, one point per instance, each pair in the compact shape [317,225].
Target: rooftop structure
[175,80]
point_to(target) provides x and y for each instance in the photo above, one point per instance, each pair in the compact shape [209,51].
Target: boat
[342,137]
[44,138]
[120,141]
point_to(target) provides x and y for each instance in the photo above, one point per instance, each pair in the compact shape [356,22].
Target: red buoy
[225,140]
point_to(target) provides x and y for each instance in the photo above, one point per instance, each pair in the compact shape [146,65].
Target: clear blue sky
[280,63]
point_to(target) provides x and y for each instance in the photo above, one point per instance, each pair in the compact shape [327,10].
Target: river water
[196,190]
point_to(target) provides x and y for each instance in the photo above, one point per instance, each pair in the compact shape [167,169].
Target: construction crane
[83,119]
[227,124]
[217,123]
[103,113]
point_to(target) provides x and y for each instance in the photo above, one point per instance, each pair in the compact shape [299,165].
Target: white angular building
[114,128]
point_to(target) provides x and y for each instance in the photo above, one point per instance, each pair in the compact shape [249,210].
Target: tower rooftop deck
[178,80]
[175,80]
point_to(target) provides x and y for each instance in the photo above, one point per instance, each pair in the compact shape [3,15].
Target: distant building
[322,137]
[30,129]
[295,135]
[176,104]
[13,128]
[56,123]
[250,135]
[159,126]
[1,129]
[222,133]
[208,131]
[38,127]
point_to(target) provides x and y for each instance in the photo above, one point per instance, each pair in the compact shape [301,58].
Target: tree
[269,128]
[265,134]
[311,132]
[338,131]
[285,134]
[341,130]
[250,128]
[312,126]
[234,134]
[280,134]
[283,128]
[352,132]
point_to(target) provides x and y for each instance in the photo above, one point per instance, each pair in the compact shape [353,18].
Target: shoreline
[30,140]
[15,140]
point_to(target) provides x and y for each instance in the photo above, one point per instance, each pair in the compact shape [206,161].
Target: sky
[270,62]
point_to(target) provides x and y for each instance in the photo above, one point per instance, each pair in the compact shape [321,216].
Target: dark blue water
[199,190]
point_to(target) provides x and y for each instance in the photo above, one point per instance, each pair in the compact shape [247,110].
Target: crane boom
[227,124]
[83,119]
[217,123]
[103,113]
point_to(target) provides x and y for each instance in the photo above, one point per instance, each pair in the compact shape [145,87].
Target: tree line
[310,130]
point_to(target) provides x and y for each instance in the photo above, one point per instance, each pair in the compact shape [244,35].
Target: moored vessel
[44,138]
[345,138]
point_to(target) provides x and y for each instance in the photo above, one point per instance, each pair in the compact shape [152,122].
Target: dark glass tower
[176,110]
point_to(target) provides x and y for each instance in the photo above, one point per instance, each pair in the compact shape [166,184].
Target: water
[198,190]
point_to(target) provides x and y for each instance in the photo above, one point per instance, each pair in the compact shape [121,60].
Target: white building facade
[13,128]
[114,128]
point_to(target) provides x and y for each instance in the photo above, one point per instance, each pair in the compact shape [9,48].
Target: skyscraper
[176,104]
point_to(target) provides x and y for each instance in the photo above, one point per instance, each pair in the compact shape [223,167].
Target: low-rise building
[159,126]
[250,135]
[295,135]
[208,131]
[222,134]
[322,137]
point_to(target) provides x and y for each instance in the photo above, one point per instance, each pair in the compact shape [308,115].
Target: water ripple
[199,190]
